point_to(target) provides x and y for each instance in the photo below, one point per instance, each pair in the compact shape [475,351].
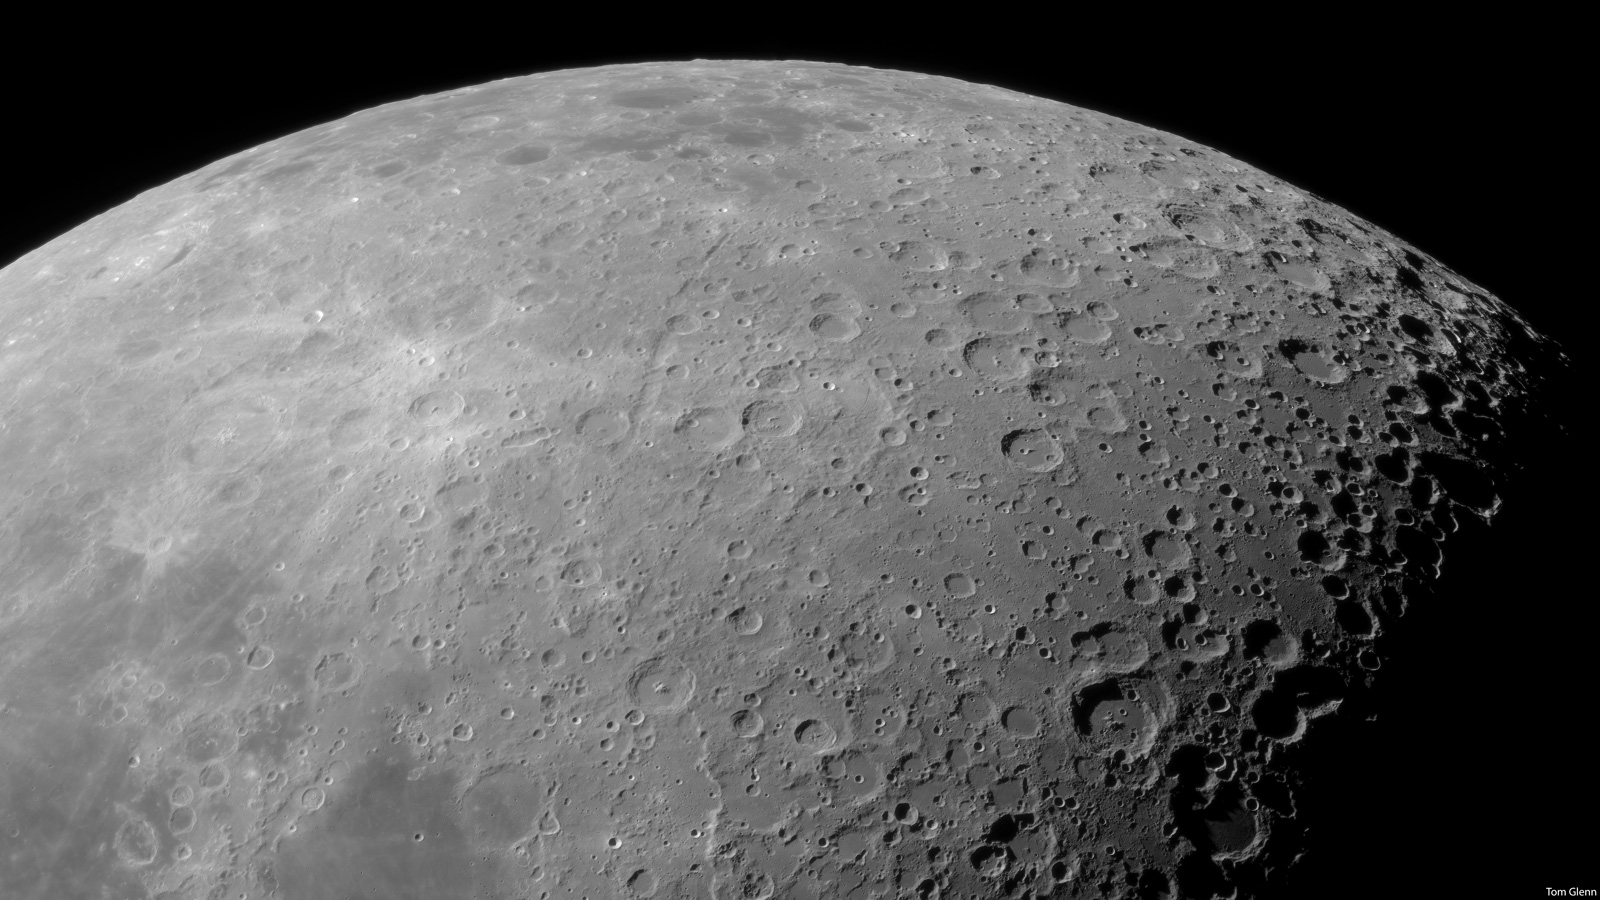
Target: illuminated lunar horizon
[713,479]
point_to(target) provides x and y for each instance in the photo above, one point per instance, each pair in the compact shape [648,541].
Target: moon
[714,479]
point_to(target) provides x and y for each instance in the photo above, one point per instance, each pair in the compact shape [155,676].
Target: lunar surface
[714,479]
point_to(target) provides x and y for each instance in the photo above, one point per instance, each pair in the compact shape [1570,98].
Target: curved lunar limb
[713,479]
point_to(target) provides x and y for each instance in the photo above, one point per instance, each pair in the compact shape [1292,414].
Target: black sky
[1457,136]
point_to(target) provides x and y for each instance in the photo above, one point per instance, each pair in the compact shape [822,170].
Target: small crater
[525,155]
[1021,722]
[771,419]
[136,842]
[1032,450]
[661,685]
[336,671]
[437,407]
[815,736]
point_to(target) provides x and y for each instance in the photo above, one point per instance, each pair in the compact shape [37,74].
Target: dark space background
[1459,136]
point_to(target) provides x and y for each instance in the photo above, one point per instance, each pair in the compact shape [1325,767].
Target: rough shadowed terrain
[715,479]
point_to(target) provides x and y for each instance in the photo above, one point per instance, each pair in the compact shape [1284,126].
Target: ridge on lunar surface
[723,479]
